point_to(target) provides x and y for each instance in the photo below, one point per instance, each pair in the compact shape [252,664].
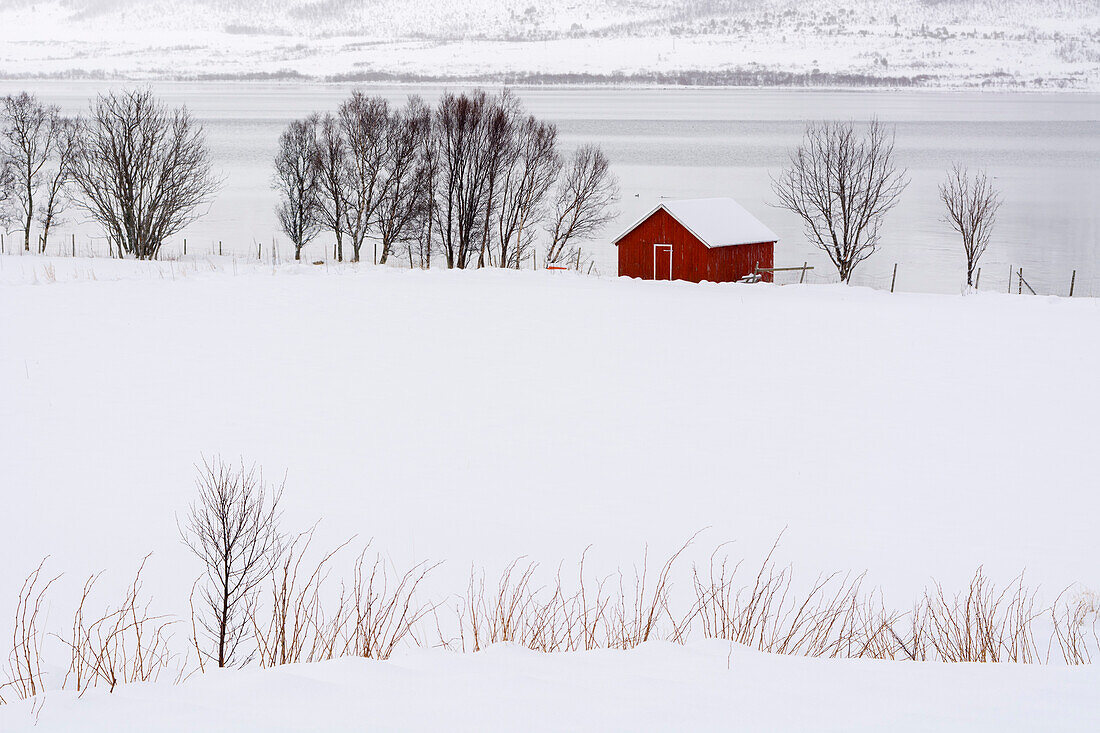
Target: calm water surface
[1042,149]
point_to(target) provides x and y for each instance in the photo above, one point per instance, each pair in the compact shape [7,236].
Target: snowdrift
[657,687]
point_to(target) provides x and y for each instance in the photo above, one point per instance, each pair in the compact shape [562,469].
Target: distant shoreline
[701,80]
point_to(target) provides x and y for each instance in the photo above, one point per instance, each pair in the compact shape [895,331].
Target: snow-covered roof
[717,222]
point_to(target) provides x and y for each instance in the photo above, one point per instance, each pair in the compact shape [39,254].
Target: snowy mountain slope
[954,42]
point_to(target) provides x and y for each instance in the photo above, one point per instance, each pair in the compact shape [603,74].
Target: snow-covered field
[706,686]
[1015,44]
[473,417]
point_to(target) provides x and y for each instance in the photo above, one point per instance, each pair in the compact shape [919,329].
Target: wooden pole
[1010,278]
[1072,282]
[894,278]
[1020,284]
[803,275]
[219,248]
[184,247]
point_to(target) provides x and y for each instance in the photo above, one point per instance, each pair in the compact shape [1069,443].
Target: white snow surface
[474,417]
[716,222]
[705,686]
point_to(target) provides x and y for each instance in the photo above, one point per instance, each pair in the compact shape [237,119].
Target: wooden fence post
[1010,279]
[894,278]
[1020,281]
[219,248]
[1072,282]
[802,276]
[185,247]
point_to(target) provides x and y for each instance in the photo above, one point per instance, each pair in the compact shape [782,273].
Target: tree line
[475,181]
[138,169]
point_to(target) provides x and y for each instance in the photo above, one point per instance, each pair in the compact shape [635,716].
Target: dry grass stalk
[298,629]
[833,619]
[542,618]
[24,673]
[124,644]
[549,619]
[383,607]
[982,624]
[649,604]
[1075,627]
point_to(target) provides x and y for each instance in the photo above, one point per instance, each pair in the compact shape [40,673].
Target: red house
[695,240]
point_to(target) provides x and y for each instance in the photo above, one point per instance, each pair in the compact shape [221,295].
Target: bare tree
[297,179]
[399,211]
[972,205]
[584,202]
[7,189]
[58,177]
[461,184]
[531,171]
[142,170]
[332,171]
[421,243]
[233,528]
[365,123]
[842,185]
[29,137]
[499,149]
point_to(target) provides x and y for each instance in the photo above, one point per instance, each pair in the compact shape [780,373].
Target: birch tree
[841,184]
[297,179]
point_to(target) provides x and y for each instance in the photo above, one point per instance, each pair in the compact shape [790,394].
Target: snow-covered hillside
[1013,43]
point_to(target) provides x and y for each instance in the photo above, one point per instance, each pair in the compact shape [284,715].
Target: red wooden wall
[691,259]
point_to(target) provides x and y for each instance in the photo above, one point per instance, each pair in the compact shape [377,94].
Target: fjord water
[1043,150]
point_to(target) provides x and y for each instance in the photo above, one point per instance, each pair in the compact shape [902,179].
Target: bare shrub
[123,644]
[983,624]
[233,528]
[24,673]
[842,185]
